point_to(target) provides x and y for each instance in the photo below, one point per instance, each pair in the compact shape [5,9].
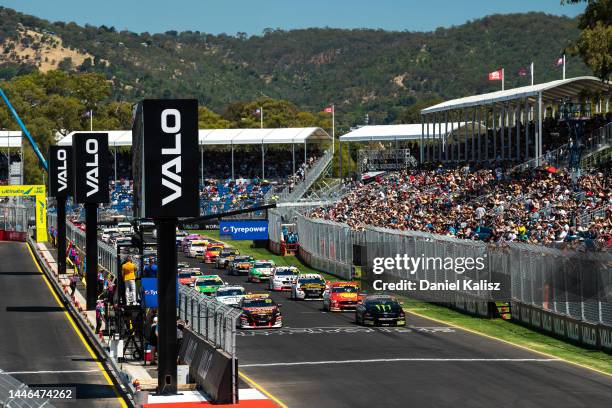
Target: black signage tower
[61,185]
[90,163]
[164,164]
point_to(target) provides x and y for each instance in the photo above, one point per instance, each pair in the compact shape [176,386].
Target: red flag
[523,71]
[496,75]
[559,61]
[329,109]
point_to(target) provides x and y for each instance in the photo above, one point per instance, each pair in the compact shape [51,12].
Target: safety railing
[107,254]
[213,320]
[14,217]
[312,174]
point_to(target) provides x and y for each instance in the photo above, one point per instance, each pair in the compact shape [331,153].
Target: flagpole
[503,78]
[261,117]
[333,129]
[563,65]
[91,120]
[531,69]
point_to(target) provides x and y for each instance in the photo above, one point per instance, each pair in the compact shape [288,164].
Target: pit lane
[38,345]
[323,359]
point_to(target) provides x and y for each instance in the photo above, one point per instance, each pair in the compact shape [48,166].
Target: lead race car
[342,296]
[259,311]
[308,286]
[380,310]
[283,277]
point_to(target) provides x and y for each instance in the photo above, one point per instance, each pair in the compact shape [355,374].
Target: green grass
[514,333]
[497,328]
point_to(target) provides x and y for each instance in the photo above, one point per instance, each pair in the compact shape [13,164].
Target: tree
[594,45]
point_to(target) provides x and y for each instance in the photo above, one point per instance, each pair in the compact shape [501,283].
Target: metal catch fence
[212,319]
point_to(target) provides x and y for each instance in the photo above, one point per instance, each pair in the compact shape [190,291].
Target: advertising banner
[61,183]
[244,230]
[149,292]
[165,158]
[91,158]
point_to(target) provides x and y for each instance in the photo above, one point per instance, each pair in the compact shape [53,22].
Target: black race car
[380,310]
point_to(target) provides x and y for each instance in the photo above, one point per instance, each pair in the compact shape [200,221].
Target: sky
[232,16]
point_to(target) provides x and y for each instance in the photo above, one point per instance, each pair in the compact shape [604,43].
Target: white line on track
[394,360]
[49,372]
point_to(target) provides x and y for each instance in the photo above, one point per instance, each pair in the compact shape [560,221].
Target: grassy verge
[497,328]
[514,333]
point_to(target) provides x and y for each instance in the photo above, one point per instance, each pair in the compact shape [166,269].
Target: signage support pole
[61,235]
[91,254]
[166,305]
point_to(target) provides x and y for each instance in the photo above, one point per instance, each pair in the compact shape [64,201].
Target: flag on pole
[523,71]
[496,75]
[329,109]
[257,111]
[559,62]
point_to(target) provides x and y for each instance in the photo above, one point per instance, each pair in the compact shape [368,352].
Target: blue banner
[244,230]
[149,292]
[148,288]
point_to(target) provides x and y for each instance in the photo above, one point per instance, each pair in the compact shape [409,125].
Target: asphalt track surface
[38,344]
[321,359]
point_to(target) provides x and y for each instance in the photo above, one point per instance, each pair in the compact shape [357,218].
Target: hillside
[362,71]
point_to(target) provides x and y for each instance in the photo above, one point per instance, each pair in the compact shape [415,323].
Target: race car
[241,265]
[259,311]
[196,248]
[380,310]
[225,257]
[308,286]
[230,295]
[341,296]
[187,276]
[211,253]
[261,270]
[208,284]
[282,277]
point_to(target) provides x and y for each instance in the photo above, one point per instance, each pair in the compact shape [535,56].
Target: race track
[323,359]
[38,344]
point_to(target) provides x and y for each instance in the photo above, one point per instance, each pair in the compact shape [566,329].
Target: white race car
[308,286]
[283,277]
[230,295]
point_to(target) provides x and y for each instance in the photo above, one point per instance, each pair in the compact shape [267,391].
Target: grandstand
[509,172]
[521,123]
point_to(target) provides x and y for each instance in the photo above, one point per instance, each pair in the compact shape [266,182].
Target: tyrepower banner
[244,230]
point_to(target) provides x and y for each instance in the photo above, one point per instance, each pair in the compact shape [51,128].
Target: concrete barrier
[214,370]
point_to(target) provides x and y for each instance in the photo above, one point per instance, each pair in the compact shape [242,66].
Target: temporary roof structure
[413,131]
[10,138]
[227,136]
[550,90]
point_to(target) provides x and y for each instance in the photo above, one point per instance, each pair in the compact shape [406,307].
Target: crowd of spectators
[247,163]
[542,206]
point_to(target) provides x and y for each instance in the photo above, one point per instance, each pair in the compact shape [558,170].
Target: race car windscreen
[230,292]
[184,275]
[286,272]
[345,289]
[258,303]
[263,265]
[312,280]
[383,305]
[209,282]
